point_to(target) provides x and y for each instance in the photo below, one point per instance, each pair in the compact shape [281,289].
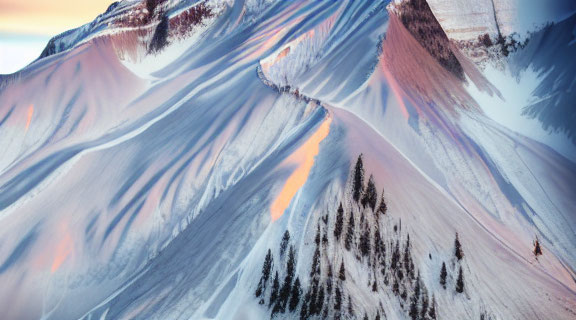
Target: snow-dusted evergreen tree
[408,263]
[460,281]
[342,272]
[364,245]
[537,249]
[350,231]
[284,243]
[370,195]
[338,299]
[350,306]
[413,313]
[286,288]
[383,207]
[424,307]
[339,222]
[458,253]
[432,310]
[443,274]
[295,295]
[318,236]
[266,269]
[358,183]
[275,289]
[395,256]
[304,309]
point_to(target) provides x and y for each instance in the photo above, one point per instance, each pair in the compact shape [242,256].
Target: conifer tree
[413,313]
[319,300]
[291,263]
[284,243]
[295,295]
[432,311]
[365,242]
[304,310]
[337,299]
[365,316]
[400,273]
[537,249]
[342,272]
[395,256]
[379,248]
[443,275]
[266,268]
[339,222]
[329,280]
[424,308]
[350,232]
[408,264]
[277,308]
[417,287]
[383,207]
[374,286]
[350,307]
[317,237]
[460,282]
[315,270]
[275,289]
[377,242]
[358,183]
[370,195]
[396,286]
[285,290]
[458,248]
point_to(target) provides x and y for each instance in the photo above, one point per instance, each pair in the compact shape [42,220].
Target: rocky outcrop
[417,17]
[466,20]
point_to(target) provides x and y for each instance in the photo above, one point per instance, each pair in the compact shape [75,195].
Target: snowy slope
[142,184]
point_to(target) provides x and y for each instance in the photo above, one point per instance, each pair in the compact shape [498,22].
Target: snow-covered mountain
[248,159]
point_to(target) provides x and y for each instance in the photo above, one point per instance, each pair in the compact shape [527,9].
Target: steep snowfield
[135,189]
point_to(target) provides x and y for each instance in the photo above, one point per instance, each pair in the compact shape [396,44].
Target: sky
[27,25]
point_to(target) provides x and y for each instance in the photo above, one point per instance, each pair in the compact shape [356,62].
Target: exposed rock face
[417,17]
[466,20]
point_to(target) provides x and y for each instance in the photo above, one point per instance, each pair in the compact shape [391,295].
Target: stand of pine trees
[354,235]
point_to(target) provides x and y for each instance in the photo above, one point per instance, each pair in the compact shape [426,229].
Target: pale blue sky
[27,25]
[18,50]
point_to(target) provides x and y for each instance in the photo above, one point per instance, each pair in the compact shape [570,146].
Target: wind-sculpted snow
[139,185]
